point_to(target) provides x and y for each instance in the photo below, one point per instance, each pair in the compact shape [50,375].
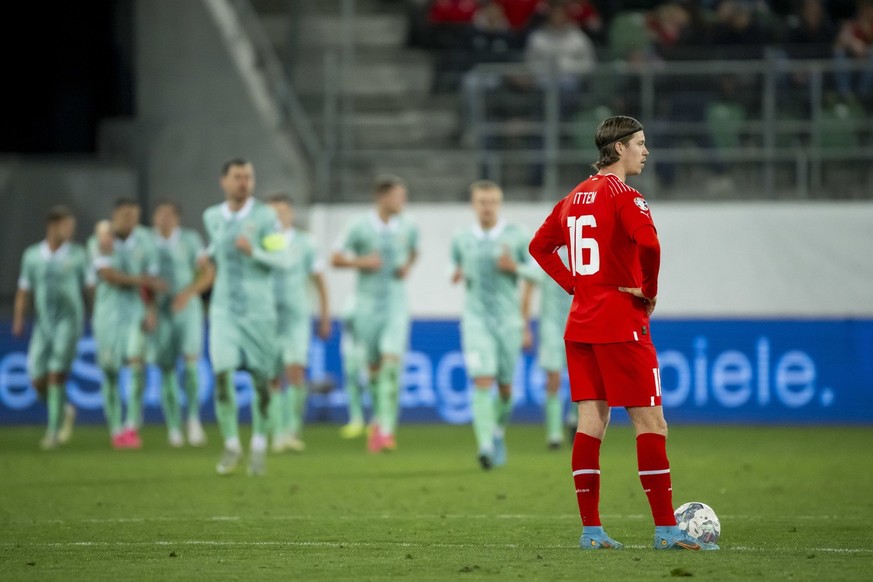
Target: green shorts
[240,343]
[490,351]
[52,347]
[294,336]
[177,334]
[552,353]
[119,342]
[381,334]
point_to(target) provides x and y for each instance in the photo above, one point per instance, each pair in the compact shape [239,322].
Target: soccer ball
[699,520]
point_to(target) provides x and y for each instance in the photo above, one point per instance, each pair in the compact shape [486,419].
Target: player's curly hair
[612,130]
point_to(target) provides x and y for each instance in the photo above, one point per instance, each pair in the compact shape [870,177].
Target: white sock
[233,444]
[259,443]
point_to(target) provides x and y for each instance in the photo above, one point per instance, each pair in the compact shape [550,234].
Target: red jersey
[611,240]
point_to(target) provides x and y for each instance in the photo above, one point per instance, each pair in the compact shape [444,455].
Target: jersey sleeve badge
[641,203]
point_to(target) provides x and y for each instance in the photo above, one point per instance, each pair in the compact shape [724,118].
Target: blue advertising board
[712,371]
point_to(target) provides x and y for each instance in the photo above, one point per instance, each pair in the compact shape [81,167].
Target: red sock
[655,476]
[586,476]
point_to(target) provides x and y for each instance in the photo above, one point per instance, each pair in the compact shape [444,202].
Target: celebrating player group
[598,256]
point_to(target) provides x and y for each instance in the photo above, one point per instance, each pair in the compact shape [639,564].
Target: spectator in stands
[739,32]
[810,35]
[524,14]
[680,29]
[811,32]
[681,33]
[585,14]
[855,43]
[491,17]
[668,24]
[561,44]
[451,24]
[493,39]
[418,26]
[560,48]
[452,11]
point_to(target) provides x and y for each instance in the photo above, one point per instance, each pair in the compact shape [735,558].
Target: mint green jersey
[379,292]
[119,310]
[491,294]
[292,289]
[243,284]
[56,281]
[242,309]
[178,333]
[554,300]
[177,261]
[136,255]
[554,309]
[291,285]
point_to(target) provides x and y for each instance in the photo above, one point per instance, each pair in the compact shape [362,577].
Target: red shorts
[622,374]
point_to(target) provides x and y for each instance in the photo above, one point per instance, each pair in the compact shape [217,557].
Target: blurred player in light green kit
[245,245]
[54,275]
[291,286]
[354,363]
[124,257]
[179,332]
[551,355]
[381,245]
[490,257]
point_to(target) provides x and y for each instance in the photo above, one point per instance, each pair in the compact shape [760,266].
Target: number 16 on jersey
[578,242]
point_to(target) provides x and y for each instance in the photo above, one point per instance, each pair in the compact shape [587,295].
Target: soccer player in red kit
[613,275]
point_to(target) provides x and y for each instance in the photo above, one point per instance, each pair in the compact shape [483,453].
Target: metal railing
[767,115]
[758,129]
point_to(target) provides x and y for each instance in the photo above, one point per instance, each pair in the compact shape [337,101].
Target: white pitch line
[328,544]
[420,516]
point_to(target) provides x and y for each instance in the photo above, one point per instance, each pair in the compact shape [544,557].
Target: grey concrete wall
[194,111]
[28,187]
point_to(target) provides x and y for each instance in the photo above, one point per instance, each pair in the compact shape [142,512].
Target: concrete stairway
[392,110]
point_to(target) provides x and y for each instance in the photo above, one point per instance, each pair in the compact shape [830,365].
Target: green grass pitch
[795,503]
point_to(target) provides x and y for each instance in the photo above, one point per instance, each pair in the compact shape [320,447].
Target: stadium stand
[440,90]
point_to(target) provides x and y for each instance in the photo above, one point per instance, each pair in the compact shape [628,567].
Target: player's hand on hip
[244,245]
[371,262]
[324,328]
[638,293]
[457,276]
[401,272]
[527,339]
[505,262]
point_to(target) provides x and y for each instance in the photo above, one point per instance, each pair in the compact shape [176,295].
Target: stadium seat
[585,124]
[725,123]
[839,126]
[628,33]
